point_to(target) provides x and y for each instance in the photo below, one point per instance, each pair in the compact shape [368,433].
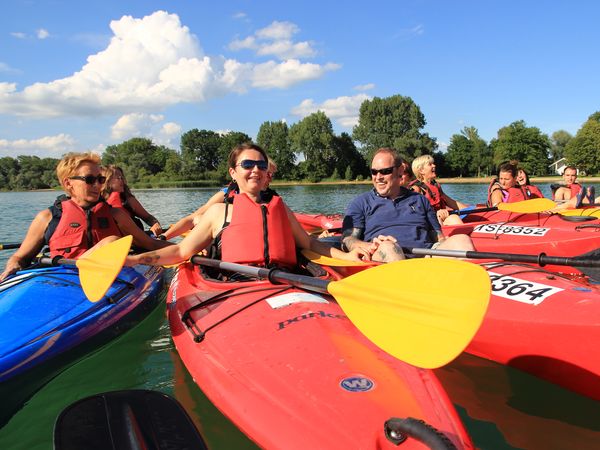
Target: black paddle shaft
[542,259]
[275,276]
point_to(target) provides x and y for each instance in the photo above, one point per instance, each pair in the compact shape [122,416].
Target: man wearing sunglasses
[390,216]
[79,221]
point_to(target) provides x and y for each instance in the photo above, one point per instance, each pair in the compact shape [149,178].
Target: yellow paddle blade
[593,211]
[98,269]
[332,262]
[535,205]
[422,311]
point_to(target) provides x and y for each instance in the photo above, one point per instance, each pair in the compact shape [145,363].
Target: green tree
[348,175]
[583,150]
[528,145]
[313,136]
[274,138]
[347,156]
[228,142]
[392,122]
[468,154]
[558,143]
[139,157]
[199,151]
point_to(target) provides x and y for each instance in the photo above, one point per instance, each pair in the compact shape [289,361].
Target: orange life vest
[259,234]
[433,192]
[77,229]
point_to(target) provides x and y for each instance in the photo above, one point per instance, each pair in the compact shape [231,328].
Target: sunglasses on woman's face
[386,171]
[248,164]
[90,179]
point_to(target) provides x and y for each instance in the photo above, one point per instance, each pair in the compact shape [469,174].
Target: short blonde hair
[418,164]
[68,165]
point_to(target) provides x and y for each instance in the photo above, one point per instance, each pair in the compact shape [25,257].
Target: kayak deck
[291,371]
[44,313]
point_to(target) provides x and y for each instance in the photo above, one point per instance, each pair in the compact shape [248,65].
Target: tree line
[309,150]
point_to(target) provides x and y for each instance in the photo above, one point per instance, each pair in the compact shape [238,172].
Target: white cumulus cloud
[170,129]
[152,63]
[344,110]
[151,126]
[53,146]
[18,35]
[276,40]
[134,124]
[282,75]
[42,33]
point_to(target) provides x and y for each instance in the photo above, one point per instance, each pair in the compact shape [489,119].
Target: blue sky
[78,75]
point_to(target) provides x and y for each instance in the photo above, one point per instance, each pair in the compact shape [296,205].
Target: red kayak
[503,231]
[291,371]
[541,322]
[556,234]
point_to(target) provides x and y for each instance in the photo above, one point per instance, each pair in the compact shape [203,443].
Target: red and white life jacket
[259,234]
[433,192]
[74,230]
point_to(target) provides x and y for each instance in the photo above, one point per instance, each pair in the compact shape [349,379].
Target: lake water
[501,407]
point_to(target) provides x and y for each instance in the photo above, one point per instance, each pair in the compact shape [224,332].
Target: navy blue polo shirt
[409,218]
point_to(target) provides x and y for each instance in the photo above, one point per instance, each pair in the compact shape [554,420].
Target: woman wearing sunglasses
[117,194]
[79,221]
[251,229]
[188,222]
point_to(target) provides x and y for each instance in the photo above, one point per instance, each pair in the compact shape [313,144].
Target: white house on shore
[559,166]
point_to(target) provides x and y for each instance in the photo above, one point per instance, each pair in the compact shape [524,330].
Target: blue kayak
[45,316]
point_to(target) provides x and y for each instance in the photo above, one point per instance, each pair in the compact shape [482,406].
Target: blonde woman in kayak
[424,169]
[252,229]
[64,225]
[189,222]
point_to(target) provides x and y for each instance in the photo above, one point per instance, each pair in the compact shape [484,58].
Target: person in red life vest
[78,222]
[570,188]
[424,169]
[586,196]
[523,181]
[188,222]
[117,194]
[504,188]
[252,229]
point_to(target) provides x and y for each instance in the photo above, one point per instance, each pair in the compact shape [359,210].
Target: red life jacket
[114,200]
[259,234]
[575,189]
[532,191]
[433,192]
[119,200]
[77,229]
[510,195]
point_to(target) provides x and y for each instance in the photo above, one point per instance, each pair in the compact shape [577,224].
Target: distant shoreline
[456,180]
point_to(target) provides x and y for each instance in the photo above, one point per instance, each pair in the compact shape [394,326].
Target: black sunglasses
[90,179]
[386,171]
[248,164]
